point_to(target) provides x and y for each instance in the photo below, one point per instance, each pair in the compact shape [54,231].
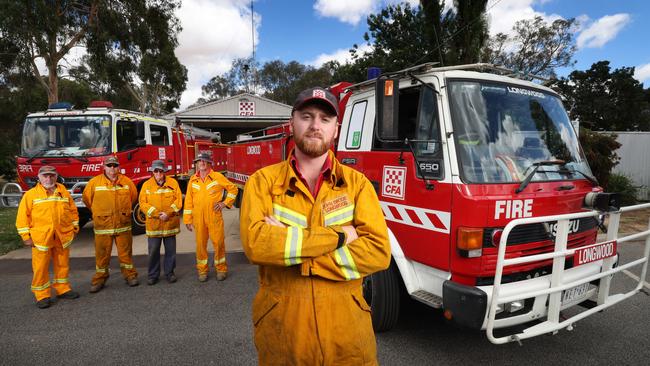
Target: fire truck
[76,141]
[492,209]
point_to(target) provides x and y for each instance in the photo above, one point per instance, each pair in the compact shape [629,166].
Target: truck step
[428,298]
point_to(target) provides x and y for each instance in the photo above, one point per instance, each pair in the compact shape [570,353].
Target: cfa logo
[393,182]
[513,209]
[253,150]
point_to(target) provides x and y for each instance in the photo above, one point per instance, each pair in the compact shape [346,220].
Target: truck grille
[531,233]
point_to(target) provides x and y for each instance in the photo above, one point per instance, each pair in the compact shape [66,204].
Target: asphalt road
[209,323]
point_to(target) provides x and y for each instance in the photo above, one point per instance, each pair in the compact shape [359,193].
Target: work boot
[203,277]
[152,281]
[171,278]
[133,281]
[221,276]
[96,288]
[70,295]
[44,303]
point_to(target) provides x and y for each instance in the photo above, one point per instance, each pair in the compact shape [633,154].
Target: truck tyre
[138,219]
[382,292]
[240,193]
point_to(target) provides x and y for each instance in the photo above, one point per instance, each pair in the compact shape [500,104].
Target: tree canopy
[130,44]
[606,100]
[536,47]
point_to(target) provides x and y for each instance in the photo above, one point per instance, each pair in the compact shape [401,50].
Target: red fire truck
[76,141]
[490,203]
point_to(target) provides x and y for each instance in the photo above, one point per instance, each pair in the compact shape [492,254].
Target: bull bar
[563,279]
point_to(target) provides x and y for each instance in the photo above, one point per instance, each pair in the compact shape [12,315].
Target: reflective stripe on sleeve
[289,217]
[346,263]
[23,230]
[230,195]
[150,211]
[187,212]
[338,217]
[67,243]
[175,208]
[293,246]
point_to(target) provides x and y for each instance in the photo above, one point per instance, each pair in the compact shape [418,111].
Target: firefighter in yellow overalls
[315,228]
[161,201]
[110,197]
[208,192]
[47,221]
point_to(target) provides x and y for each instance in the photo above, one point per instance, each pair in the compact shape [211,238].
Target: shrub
[623,184]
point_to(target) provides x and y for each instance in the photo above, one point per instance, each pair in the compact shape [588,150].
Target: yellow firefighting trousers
[103,246]
[215,232]
[41,265]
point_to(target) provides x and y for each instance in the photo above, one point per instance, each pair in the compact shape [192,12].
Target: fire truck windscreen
[70,135]
[501,130]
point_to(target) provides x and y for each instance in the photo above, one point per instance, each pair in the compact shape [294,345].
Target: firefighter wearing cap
[161,201]
[47,221]
[109,197]
[315,228]
[208,192]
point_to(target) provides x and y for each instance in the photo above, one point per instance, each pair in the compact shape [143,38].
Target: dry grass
[634,221]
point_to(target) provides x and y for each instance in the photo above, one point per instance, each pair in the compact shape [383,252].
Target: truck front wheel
[382,292]
[138,219]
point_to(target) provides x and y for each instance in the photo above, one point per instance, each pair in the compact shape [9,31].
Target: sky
[314,31]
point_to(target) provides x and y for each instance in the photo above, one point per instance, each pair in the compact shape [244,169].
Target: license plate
[575,293]
[594,252]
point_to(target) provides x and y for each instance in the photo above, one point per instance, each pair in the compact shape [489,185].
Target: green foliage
[623,185]
[130,46]
[535,47]
[401,36]
[600,152]
[603,100]
[281,81]
[9,238]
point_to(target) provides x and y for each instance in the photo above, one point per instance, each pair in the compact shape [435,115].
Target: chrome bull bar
[554,291]
[15,194]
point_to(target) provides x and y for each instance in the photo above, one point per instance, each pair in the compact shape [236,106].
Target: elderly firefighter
[47,221]
[315,228]
[161,200]
[208,192]
[109,197]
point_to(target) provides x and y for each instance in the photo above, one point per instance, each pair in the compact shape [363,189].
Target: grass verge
[9,238]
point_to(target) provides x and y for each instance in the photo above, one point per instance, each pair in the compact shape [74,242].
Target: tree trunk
[53,84]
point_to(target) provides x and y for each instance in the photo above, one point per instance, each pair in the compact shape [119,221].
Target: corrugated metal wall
[635,159]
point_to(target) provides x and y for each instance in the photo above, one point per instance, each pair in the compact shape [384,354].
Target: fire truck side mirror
[141,142]
[387,104]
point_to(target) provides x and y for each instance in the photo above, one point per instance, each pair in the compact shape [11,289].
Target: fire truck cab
[472,169]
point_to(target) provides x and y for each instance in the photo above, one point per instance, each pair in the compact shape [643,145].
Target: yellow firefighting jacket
[308,266]
[166,198]
[41,217]
[110,203]
[202,194]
